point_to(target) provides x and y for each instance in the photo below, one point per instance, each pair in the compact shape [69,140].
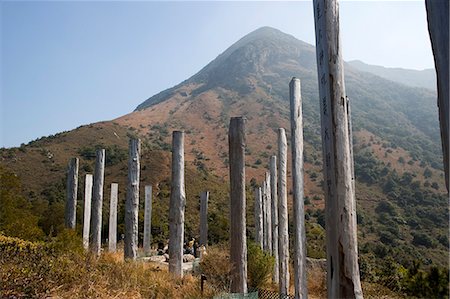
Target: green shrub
[259,265]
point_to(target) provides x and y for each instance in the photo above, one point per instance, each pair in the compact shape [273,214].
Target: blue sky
[65,64]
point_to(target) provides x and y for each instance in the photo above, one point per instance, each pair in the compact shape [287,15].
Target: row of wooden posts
[93,203]
[271,215]
[270,210]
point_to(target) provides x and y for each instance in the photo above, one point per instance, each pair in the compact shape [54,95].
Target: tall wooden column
[259,234]
[87,210]
[177,206]
[132,200]
[274,207]
[283,224]
[438,28]
[238,244]
[148,220]
[204,196]
[300,277]
[112,236]
[97,203]
[72,188]
[343,279]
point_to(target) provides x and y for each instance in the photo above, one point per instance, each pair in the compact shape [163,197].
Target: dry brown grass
[37,270]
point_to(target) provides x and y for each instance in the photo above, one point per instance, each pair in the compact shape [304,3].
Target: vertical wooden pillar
[343,279]
[177,206]
[132,201]
[438,28]
[87,210]
[283,234]
[112,236]
[148,220]
[97,203]
[72,188]
[264,214]
[274,207]
[300,278]
[204,196]
[259,235]
[268,216]
[238,244]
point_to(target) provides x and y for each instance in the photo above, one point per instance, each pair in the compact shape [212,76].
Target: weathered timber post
[264,214]
[259,235]
[87,210]
[204,196]
[350,137]
[177,206]
[274,196]
[300,278]
[268,210]
[343,279]
[132,201]
[112,236]
[148,220]
[72,188]
[438,28]
[283,234]
[238,242]
[97,202]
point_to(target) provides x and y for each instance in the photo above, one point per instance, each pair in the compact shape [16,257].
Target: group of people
[190,247]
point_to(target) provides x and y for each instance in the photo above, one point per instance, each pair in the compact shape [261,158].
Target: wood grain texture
[343,280]
[177,206]
[132,200]
[238,242]
[300,277]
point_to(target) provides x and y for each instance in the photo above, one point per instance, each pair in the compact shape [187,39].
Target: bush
[215,265]
[259,265]
[423,239]
[56,269]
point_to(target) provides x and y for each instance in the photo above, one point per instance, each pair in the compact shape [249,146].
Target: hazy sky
[65,64]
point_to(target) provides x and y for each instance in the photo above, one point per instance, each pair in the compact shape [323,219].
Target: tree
[427,173]
[17,219]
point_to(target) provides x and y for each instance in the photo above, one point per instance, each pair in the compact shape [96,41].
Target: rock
[316,264]
[188,258]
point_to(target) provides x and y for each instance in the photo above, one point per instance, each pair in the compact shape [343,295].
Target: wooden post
[112,236]
[87,210]
[283,234]
[438,28]
[343,279]
[300,278]
[274,207]
[97,202]
[204,196]
[148,220]
[268,216]
[264,214]
[238,244]
[132,201]
[72,188]
[259,235]
[177,206]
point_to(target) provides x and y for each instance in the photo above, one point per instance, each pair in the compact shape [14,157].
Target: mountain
[425,78]
[398,161]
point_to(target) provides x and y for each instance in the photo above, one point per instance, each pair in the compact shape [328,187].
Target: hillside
[400,185]
[424,78]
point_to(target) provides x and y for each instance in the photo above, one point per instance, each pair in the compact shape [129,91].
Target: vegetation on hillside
[59,268]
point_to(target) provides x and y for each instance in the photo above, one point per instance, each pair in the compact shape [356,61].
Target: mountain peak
[260,53]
